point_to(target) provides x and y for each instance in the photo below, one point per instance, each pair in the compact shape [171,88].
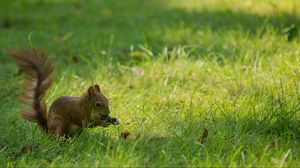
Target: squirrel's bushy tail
[37,69]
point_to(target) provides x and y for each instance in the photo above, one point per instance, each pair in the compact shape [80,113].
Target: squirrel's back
[36,67]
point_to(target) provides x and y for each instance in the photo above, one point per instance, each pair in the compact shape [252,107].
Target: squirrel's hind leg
[58,127]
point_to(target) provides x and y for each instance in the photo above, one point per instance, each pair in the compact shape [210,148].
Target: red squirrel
[91,107]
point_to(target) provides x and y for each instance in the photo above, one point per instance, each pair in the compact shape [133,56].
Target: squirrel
[92,107]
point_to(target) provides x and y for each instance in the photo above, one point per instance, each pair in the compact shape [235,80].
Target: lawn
[193,83]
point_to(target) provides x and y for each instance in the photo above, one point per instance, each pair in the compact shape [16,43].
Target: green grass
[171,69]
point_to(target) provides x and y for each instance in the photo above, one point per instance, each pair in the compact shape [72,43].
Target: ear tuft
[97,88]
[90,91]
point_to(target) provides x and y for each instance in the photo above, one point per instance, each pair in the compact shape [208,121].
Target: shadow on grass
[134,16]
[131,22]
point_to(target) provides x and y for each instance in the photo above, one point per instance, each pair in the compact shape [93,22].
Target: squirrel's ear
[90,91]
[97,88]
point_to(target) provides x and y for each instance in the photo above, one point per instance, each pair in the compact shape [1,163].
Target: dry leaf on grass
[204,135]
[74,59]
[125,134]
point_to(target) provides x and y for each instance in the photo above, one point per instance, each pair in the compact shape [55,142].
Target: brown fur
[91,108]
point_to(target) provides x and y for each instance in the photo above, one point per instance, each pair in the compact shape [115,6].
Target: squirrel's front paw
[114,121]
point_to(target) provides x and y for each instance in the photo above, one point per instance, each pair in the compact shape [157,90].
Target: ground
[193,83]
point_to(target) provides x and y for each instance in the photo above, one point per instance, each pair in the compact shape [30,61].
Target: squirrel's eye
[98,104]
